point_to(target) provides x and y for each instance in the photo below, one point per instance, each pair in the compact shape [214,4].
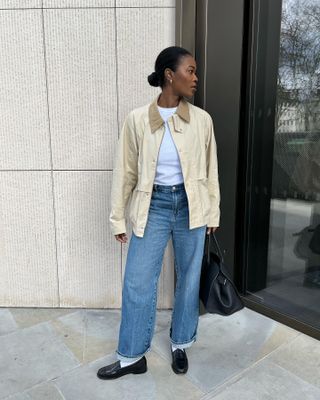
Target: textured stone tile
[102,332]
[158,383]
[266,381]
[5,4]
[153,29]
[72,330]
[31,356]
[78,3]
[7,322]
[81,65]
[18,396]
[88,256]
[226,345]
[28,316]
[145,3]
[301,356]
[23,103]
[45,391]
[28,254]
[279,335]
[163,320]
[284,374]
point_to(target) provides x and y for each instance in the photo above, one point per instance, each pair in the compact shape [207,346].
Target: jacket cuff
[214,219]
[118,227]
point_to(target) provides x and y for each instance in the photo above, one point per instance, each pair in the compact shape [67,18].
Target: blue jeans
[168,215]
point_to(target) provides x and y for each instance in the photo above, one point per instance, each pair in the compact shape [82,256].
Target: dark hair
[167,58]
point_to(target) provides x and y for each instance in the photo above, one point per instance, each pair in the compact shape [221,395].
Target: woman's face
[184,80]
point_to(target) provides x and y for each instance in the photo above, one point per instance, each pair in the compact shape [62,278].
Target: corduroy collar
[155,118]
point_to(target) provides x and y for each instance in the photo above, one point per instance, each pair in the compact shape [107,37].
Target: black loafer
[179,361]
[115,370]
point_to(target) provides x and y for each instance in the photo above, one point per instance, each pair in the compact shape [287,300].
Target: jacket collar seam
[155,117]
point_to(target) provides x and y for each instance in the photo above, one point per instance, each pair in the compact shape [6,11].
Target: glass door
[283,179]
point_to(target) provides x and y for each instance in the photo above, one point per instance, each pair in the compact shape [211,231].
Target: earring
[170,80]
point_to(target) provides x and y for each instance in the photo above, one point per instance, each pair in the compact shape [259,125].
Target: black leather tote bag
[315,240]
[217,290]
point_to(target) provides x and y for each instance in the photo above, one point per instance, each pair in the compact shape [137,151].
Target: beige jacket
[136,160]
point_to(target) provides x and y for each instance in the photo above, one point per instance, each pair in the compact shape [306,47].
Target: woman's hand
[121,237]
[211,228]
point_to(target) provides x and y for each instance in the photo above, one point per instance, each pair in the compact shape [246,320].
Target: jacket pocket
[138,205]
[204,198]
[198,169]
[134,205]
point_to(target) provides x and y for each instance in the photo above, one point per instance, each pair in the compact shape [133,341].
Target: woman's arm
[213,175]
[125,175]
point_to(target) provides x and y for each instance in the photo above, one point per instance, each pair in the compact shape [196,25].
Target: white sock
[126,363]
[174,347]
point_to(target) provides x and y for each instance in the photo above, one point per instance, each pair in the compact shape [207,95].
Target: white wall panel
[145,3]
[78,3]
[141,34]
[70,74]
[28,271]
[89,257]
[24,136]
[20,4]
[80,51]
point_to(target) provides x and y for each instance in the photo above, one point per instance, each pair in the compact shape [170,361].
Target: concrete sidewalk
[54,354]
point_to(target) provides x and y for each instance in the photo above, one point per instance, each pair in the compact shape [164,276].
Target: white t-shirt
[168,170]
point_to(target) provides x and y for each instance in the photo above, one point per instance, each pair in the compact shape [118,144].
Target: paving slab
[31,356]
[71,328]
[26,317]
[243,356]
[266,381]
[18,396]
[227,345]
[301,356]
[7,322]
[45,391]
[102,331]
[158,383]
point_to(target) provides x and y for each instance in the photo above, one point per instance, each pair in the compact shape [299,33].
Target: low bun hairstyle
[167,58]
[153,79]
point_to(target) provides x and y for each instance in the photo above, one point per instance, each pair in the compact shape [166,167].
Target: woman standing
[167,163]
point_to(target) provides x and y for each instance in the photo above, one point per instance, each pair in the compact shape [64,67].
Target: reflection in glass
[293,276]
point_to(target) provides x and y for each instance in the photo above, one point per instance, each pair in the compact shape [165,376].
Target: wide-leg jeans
[168,217]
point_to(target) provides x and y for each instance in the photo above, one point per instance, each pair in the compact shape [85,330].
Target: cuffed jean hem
[121,357]
[184,345]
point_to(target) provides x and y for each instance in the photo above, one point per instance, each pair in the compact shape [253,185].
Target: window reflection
[294,240]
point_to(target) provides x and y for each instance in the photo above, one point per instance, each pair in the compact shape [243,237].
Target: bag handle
[211,237]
